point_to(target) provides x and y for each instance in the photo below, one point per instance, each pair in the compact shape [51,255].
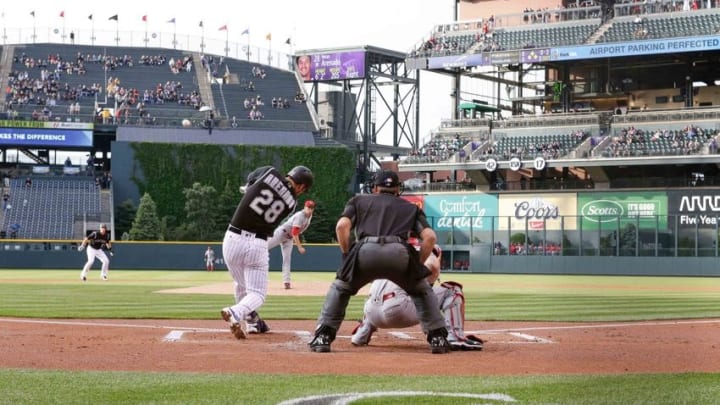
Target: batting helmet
[302,175]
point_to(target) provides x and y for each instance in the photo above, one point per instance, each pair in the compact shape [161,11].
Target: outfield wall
[28,254]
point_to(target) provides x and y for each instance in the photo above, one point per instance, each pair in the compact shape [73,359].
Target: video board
[32,134]
[331,66]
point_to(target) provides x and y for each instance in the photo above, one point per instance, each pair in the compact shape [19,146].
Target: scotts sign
[693,208]
[536,212]
[607,211]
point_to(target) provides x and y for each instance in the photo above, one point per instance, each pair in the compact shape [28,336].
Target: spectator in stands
[68,162]
[14,229]
[72,37]
[6,199]
[303,66]
[28,182]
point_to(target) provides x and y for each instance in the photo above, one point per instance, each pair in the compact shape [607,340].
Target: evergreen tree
[124,215]
[201,210]
[146,225]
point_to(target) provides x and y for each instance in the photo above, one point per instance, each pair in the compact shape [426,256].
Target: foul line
[598,326]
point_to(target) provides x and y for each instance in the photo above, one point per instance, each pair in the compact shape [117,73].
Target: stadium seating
[544,36]
[656,26]
[72,79]
[47,209]
[256,82]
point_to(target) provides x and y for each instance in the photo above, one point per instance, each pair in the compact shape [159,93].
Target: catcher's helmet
[302,175]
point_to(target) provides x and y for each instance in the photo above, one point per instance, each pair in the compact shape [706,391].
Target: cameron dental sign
[470,211]
[606,210]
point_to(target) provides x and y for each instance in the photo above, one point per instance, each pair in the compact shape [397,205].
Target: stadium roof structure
[383,92]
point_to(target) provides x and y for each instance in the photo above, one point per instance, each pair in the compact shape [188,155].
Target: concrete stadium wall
[20,254]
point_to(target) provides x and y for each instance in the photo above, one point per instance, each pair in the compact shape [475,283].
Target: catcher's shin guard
[453,309]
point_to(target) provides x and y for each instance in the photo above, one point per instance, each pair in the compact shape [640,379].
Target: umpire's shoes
[320,344]
[439,345]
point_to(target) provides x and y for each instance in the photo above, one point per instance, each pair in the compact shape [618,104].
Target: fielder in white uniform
[97,243]
[389,306]
[288,234]
[209,259]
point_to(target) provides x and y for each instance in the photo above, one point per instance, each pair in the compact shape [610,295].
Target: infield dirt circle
[511,348]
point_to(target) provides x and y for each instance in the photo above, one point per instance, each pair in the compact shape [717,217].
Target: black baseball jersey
[268,199]
[384,215]
[96,239]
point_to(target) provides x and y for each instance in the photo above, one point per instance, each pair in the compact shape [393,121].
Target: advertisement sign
[602,209]
[417,199]
[45,138]
[474,211]
[333,66]
[695,207]
[636,48]
[542,211]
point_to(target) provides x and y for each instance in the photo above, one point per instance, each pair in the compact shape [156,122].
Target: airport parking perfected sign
[606,210]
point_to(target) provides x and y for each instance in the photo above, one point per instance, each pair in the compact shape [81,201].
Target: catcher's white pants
[389,306]
[93,254]
[280,237]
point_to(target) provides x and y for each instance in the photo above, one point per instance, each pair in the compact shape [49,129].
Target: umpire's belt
[245,233]
[383,239]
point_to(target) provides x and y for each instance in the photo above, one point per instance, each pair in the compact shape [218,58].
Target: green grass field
[132,294]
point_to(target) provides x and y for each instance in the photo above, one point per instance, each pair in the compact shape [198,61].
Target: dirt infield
[207,346]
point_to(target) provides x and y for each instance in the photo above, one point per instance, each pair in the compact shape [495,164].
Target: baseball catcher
[389,306]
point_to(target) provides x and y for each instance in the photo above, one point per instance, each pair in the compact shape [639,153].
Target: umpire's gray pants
[376,261]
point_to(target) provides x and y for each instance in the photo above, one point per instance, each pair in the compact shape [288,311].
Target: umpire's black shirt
[384,215]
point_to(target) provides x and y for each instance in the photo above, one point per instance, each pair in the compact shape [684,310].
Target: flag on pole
[172,20]
[62,14]
[201,24]
[90,17]
[32,13]
[144,18]
[289,41]
[246,32]
[115,17]
[268,36]
[223,28]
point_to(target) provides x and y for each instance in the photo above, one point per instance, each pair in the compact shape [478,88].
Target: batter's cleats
[227,315]
[239,329]
[258,327]
[287,286]
[362,333]
[320,344]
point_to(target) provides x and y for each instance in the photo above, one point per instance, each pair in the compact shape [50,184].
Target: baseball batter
[97,243]
[389,306]
[269,198]
[288,234]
